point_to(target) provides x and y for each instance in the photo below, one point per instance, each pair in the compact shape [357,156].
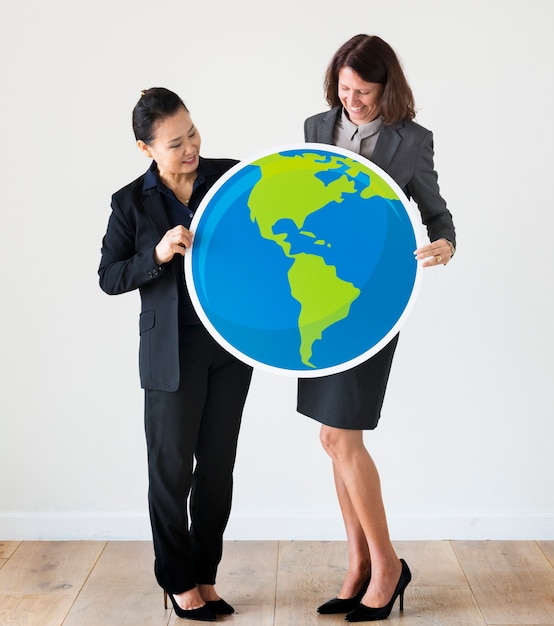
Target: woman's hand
[175,241]
[437,253]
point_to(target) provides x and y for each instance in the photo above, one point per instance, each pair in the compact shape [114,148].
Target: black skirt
[350,399]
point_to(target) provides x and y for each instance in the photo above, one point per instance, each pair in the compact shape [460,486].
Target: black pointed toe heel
[201,614]
[220,607]
[340,605]
[363,613]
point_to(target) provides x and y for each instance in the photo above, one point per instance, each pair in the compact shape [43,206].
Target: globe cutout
[302,262]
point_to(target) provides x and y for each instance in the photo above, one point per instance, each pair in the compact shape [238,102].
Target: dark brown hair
[155,104]
[375,62]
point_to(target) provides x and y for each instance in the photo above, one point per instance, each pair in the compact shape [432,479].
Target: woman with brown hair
[372,112]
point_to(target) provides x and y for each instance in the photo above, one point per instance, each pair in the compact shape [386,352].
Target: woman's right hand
[175,241]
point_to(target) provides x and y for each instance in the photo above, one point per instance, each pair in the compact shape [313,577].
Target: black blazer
[137,223]
[405,151]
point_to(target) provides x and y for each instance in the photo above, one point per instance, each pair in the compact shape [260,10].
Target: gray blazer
[405,151]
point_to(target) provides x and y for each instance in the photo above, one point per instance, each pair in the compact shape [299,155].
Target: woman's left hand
[437,253]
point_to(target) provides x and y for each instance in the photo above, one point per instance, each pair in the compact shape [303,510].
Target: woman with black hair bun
[194,389]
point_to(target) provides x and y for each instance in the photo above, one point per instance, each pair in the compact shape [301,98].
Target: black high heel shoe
[201,614]
[363,613]
[220,607]
[343,605]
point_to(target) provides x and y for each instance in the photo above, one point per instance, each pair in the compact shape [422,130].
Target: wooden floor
[276,583]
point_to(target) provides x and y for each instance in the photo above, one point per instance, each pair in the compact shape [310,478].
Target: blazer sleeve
[127,260]
[127,263]
[423,187]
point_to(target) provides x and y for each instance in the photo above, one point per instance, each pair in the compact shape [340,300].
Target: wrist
[157,259]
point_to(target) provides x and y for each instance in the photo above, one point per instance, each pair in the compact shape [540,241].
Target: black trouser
[198,422]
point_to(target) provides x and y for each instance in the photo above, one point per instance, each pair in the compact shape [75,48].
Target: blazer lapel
[327,126]
[155,209]
[387,144]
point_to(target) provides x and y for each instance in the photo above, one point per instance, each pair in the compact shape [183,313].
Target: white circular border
[415,220]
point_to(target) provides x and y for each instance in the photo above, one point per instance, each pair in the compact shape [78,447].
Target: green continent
[324,299]
[293,192]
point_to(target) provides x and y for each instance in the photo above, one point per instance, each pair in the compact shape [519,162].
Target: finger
[185,238]
[426,250]
[181,240]
[185,243]
[436,253]
[436,259]
[178,249]
[423,254]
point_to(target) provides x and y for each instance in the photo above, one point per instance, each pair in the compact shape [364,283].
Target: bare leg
[360,478]
[359,564]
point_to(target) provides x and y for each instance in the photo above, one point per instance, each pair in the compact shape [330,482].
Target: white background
[465,444]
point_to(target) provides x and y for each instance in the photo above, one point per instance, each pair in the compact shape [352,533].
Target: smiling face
[176,145]
[361,100]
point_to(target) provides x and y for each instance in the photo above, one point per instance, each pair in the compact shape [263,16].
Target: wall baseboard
[135,525]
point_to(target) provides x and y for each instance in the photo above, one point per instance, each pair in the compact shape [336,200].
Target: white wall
[465,444]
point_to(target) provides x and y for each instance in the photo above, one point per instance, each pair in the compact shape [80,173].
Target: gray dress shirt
[359,139]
